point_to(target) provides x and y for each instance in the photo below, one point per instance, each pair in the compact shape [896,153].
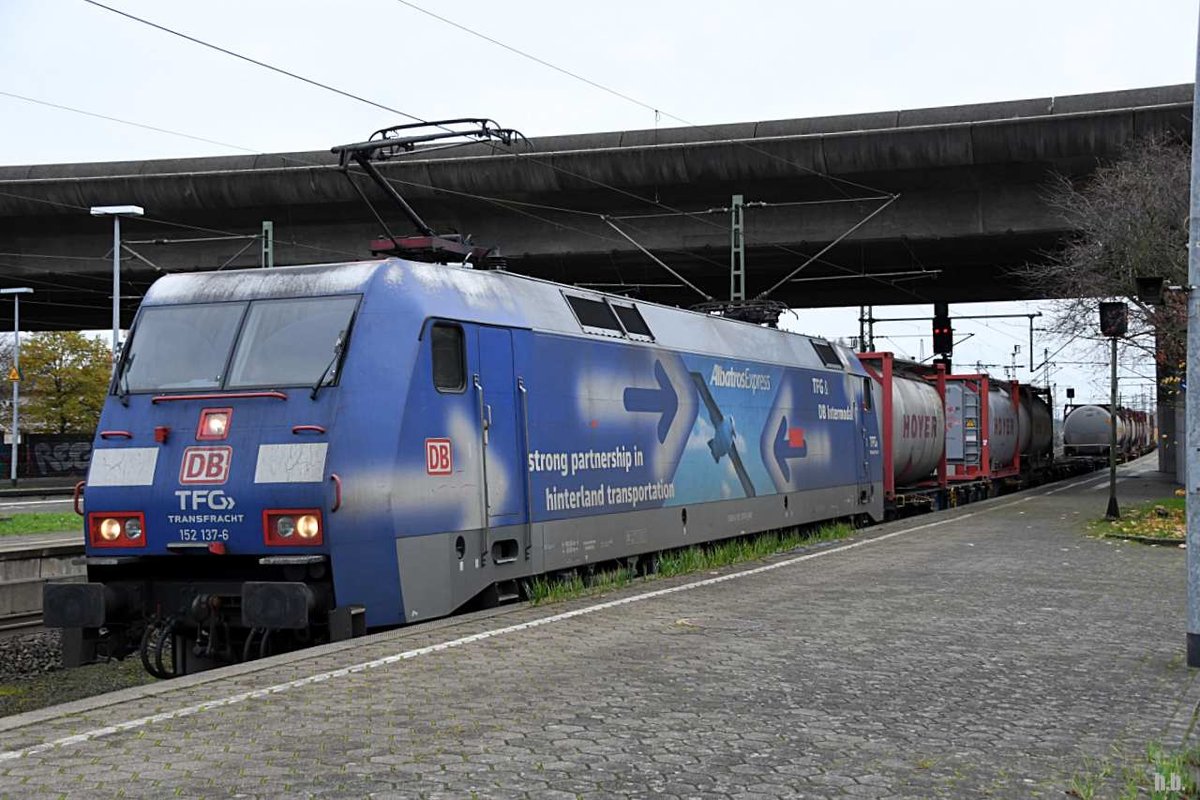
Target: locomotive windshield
[279,343]
[181,347]
[289,342]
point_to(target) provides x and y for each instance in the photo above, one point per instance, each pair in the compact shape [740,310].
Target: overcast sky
[705,62]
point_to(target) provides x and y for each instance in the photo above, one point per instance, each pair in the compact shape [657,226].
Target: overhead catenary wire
[153,128]
[886,197]
[299,162]
[254,61]
[53,284]
[50,256]
[173,224]
[749,204]
[658,261]
[508,204]
[623,96]
[827,247]
[503,202]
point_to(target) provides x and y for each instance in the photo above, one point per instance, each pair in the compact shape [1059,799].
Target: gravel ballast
[32,675]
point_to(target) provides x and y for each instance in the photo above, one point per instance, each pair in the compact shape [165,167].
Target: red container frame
[982,384]
[881,367]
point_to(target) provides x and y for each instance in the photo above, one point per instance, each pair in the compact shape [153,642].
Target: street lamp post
[15,375]
[116,212]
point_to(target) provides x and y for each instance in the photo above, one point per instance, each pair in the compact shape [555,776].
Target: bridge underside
[971,185]
[71,293]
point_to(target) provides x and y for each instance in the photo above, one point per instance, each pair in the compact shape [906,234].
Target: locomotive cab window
[183,347]
[293,342]
[449,358]
[867,402]
[265,343]
[827,354]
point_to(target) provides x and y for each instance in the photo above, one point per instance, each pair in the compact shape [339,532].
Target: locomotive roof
[493,297]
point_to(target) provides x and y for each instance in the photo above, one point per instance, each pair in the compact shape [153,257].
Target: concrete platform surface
[19,543]
[987,651]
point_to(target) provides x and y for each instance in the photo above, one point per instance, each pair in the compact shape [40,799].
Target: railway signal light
[943,333]
[1113,319]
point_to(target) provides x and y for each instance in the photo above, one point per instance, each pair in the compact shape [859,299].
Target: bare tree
[1130,220]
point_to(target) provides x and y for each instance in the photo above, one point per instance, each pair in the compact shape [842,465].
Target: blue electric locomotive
[292,455]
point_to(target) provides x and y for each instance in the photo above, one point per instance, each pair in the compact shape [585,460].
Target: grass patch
[553,589]
[1163,773]
[29,693]
[19,524]
[1156,519]
[1176,770]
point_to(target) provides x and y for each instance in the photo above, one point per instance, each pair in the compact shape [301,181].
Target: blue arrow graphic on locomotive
[723,442]
[789,443]
[662,400]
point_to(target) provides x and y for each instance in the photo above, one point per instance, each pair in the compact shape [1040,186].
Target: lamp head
[1149,290]
[117,211]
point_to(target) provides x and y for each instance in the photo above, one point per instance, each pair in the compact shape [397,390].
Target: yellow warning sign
[13,375]
[970,423]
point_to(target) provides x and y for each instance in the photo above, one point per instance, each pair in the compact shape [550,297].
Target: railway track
[16,624]
[26,563]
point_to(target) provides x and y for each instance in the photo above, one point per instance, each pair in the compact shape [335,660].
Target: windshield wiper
[123,379]
[338,346]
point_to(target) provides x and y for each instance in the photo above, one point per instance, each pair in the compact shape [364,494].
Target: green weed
[682,561]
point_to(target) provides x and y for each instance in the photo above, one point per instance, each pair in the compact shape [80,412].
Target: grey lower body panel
[442,571]
[571,543]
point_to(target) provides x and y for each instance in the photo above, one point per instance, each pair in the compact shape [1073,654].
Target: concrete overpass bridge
[970,182]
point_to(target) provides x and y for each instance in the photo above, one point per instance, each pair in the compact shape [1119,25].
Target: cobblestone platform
[984,651]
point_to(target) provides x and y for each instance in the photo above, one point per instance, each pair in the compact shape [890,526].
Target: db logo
[438,459]
[205,465]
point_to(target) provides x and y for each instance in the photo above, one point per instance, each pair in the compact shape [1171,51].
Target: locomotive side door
[501,423]
[864,413]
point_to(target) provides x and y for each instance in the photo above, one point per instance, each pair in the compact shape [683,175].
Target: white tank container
[918,430]
[1036,414]
[1086,430]
[1004,422]
[1024,427]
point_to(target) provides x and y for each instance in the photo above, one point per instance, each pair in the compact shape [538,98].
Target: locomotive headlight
[110,530]
[214,424]
[293,527]
[133,529]
[308,527]
[117,529]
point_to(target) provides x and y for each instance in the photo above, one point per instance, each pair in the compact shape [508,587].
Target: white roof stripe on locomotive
[248,284]
[497,297]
